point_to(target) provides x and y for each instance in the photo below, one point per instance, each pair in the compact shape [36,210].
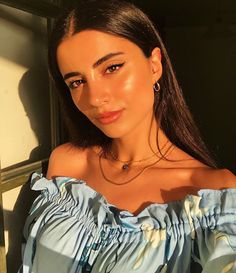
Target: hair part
[123,19]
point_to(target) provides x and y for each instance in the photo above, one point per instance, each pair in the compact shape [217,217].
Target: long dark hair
[123,19]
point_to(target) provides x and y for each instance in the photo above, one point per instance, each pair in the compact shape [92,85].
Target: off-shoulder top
[71,228]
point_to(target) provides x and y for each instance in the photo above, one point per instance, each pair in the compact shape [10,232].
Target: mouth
[109,117]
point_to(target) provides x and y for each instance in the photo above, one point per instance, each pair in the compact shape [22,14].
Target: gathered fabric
[71,228]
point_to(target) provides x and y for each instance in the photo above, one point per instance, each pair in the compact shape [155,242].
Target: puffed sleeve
[50,191]
[214,231]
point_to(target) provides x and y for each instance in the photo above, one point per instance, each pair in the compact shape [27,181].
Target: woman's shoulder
[200,175]
[67,149]
[66,160]
[213,178]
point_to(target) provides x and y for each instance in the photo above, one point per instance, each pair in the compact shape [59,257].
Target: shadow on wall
[26,36]
[34,94]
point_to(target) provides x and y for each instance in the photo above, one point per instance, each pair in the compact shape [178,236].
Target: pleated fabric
[71,228]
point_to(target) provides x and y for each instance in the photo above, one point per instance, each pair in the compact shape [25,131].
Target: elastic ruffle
[77,228]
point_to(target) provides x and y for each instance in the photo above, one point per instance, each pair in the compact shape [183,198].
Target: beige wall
[17,138]
[23,72]
[9,200]
[24,113]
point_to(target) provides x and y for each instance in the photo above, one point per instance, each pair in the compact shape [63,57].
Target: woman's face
[110,80]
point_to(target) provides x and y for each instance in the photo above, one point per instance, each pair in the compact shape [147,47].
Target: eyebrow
[96,64]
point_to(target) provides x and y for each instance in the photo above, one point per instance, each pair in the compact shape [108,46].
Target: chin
[114,132]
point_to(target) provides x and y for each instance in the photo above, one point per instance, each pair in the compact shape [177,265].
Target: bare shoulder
[214,178]
[66,160]
[201,175]
[228,178]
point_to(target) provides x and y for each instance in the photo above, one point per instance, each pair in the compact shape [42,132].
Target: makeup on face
[110,81]
[99,62]
[109,117]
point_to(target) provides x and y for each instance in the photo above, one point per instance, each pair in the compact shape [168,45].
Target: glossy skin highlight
[122,80]
[104,74]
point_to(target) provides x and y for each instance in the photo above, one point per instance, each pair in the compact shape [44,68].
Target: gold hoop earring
[156,87]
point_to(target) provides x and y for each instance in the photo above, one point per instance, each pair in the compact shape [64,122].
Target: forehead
[91,44]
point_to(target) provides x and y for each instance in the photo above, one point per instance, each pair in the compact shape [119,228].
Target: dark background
[200,37]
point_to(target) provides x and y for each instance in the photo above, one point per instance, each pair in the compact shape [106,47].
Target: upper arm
[66,160]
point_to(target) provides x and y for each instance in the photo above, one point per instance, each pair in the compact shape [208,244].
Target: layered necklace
[127,165]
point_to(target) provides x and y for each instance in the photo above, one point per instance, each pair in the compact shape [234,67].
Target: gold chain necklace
[127,163]
[132,178]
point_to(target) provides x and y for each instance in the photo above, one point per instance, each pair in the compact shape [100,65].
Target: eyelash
[114,66]
[80,81]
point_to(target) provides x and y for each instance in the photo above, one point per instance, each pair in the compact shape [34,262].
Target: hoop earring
[156,87]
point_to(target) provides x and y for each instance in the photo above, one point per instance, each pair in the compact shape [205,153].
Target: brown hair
[123,19]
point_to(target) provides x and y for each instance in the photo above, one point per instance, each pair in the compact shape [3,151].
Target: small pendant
[125,166]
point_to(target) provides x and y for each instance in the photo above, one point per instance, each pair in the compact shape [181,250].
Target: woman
[135,189]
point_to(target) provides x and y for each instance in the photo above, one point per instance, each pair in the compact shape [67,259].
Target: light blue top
[73,229]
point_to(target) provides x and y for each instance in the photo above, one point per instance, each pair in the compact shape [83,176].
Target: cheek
[136,88]
[130,89]
[79,100]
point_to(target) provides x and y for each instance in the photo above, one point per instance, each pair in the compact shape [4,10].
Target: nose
[98,93]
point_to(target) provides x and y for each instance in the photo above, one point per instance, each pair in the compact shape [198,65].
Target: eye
[113,67]
[75,84]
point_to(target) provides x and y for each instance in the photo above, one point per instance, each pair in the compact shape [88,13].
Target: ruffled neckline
[205,195]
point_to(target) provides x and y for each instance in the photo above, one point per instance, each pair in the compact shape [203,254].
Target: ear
[155,62]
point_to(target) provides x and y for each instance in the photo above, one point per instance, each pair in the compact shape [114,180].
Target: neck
[138,145]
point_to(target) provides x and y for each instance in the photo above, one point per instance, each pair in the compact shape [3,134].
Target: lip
[109,117]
